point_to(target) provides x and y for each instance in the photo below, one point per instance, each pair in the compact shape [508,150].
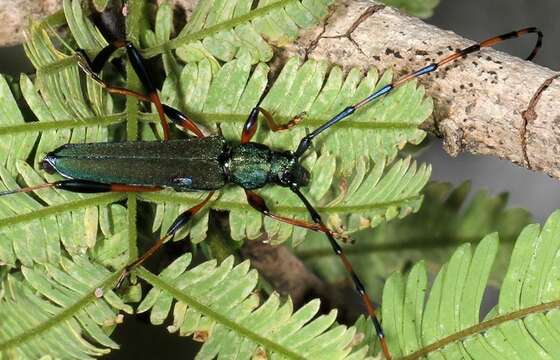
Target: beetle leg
[181,221]
[92,68]
[306,141]
[183,120]
[85,186]
[360,288]
[259,204]
[138,63]
[173,114]
[250,127]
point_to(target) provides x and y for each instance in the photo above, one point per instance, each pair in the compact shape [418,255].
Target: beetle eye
[286,178]
[47,165]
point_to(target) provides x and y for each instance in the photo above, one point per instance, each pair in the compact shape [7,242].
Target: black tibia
[138,63]
[182,120]
[84,186]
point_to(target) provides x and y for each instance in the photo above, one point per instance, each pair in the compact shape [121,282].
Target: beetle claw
[122,277]
[299,117]
[84,64]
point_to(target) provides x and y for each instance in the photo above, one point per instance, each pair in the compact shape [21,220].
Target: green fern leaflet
[523,325]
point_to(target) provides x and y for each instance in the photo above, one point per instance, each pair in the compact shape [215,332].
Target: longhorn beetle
[208,163]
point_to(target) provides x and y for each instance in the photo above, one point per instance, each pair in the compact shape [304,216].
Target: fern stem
[132,108]
[230,205]
[58,209]
[56,66]
[132,217]
[485,325]
[226,25]
[38,126]
[218,317]
[308,121]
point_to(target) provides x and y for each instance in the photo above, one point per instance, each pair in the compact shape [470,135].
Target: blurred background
[475,19]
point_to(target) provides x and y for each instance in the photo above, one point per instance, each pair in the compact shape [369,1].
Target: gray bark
[15,16]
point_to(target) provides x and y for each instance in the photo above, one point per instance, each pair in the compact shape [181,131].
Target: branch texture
[15,16]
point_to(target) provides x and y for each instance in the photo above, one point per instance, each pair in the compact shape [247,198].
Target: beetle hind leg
[182,220]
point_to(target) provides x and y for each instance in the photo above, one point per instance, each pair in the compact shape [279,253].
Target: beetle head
[288,171]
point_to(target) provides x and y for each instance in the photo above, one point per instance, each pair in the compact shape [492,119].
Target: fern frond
[58,310]
[343,183]
[445,221]
[216,304]
[227,29]
[32,232]
[33,227]
[522,325]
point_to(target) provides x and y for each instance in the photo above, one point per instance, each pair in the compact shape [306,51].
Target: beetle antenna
[305,142]
[27,189]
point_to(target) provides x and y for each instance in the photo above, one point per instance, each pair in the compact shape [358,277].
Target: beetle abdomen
[188,164]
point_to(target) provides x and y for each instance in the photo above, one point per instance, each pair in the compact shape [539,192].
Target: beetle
[208,163]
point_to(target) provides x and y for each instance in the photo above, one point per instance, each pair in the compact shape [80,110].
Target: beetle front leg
[258,203]
[250,127]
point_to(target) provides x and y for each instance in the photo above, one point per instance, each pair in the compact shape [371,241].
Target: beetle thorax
[254,165]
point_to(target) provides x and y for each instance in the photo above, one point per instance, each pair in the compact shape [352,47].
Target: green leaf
[59,310]
[421,8]
[380,189]
[445,221]
[216,304]
[215,72]
[447,324]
